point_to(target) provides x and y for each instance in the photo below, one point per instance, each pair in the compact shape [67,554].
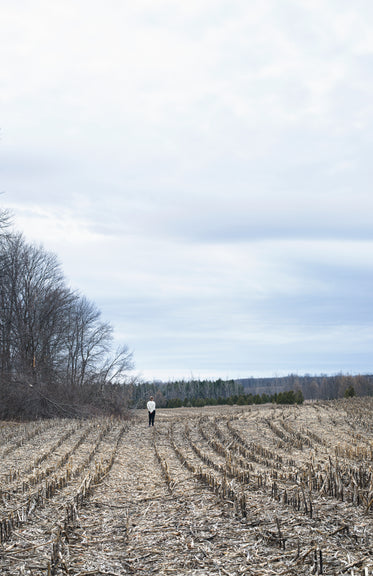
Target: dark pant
[151,418]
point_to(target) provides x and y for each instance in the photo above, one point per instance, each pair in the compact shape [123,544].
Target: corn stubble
[220,490]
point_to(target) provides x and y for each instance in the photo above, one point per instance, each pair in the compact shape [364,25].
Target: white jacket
[151,406]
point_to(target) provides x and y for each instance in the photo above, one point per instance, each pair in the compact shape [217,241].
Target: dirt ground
[230,490]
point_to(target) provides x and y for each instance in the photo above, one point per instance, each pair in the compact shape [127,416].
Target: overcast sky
[203,171]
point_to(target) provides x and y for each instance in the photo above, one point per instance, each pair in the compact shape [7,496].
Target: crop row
[221,471]
[30,500]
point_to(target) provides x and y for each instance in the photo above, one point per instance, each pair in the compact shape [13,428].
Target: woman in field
[151,410]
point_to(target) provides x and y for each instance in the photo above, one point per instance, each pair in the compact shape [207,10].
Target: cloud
[202,171]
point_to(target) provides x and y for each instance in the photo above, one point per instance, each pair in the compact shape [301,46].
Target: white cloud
[202,170]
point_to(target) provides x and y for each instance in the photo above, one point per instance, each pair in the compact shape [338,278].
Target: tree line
[188,390]
[198,393]
[288,397]
[56,352]
[313,387]
[290,389]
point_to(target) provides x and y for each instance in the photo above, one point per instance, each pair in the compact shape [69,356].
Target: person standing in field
[151,410]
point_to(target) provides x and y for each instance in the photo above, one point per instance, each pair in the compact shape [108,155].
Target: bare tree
[88,341]
[52,340]
[5,221]
[115,368]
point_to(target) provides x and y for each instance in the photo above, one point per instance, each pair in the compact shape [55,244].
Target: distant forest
[287,389]
[312,387]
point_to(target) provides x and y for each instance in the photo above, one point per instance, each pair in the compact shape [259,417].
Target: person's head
[151,398]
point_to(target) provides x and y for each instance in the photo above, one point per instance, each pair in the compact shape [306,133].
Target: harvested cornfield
[214,491]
